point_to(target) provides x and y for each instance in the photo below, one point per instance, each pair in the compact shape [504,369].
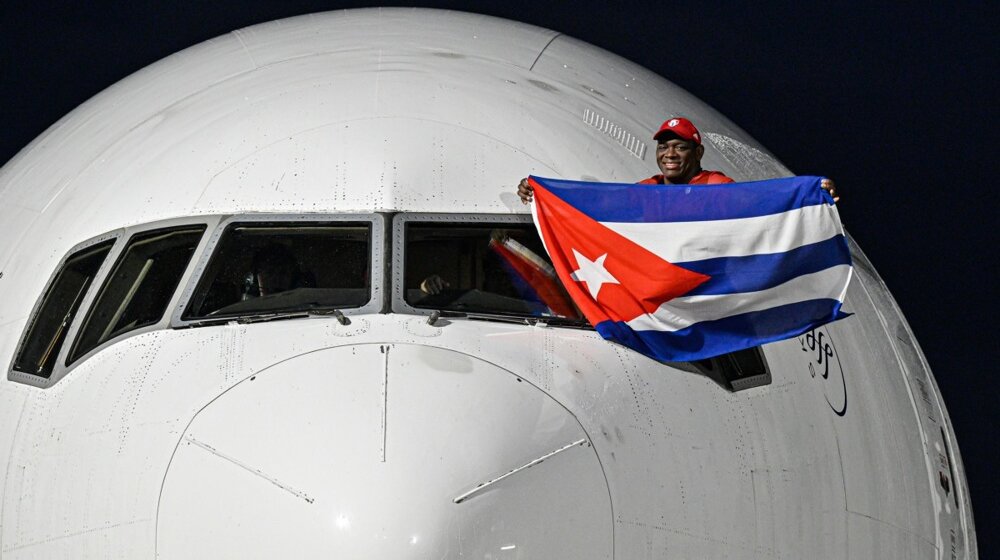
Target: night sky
[897,103]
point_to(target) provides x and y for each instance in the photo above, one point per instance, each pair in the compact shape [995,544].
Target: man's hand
[524,191]
[433,284]
[827,185]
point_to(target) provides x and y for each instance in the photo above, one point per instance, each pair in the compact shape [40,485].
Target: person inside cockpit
[274,270]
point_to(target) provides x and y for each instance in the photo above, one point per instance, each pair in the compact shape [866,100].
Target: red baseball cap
[683,128]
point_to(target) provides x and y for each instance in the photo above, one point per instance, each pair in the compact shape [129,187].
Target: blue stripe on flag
[628,202]
[734,275]
[729,334]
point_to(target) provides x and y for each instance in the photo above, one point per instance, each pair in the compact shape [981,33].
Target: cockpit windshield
[285,267]
[497,269]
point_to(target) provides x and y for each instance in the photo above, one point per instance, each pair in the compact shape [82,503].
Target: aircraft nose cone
[363,451]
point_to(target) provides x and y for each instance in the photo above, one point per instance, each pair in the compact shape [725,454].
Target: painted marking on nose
[527,465]
[250,469]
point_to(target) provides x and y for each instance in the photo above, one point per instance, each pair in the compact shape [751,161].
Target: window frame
[211,241]
[121,237]
[125,235]
[124,243]
[399,222]
[214,226]
[59,370]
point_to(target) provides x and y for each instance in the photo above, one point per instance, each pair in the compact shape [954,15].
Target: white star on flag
[592,273]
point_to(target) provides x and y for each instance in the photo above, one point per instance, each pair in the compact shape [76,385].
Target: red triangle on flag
[636,280]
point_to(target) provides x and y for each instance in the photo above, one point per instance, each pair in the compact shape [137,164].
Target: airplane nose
[384,451]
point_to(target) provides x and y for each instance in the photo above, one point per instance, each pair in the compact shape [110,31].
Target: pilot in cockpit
[273,270]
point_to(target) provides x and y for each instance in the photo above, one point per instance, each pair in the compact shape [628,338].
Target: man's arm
[433,284]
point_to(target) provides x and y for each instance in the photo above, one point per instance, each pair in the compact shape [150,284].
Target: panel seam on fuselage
[250,469]
[541,52]
[922,538]
[182,438]
[246,50]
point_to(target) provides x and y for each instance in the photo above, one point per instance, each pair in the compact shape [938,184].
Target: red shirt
[702,178]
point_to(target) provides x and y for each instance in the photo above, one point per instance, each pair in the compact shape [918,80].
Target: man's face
[679,160]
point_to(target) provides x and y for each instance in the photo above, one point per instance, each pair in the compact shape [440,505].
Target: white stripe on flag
[678,242]
[682,312]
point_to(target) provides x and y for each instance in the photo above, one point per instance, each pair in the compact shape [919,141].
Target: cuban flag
[687,272]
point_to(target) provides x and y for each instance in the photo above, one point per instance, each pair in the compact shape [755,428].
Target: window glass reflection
[498,269]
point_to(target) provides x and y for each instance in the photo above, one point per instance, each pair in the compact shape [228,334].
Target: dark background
[895,102]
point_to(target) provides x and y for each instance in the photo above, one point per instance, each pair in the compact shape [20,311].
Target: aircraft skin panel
[18,219]
[786,468]
[637,413]
[10,333]
[413,131]
[607,81]
[871,538]
[12,402]
[79,139]
[70,501]
[376,440]
[177,138]
[350,141]
[875,437]
[621,396]
[846,453]
[761,450]
[226,81]
[630,97]
[633,412]
[884,426]
[446,34]
[948,492]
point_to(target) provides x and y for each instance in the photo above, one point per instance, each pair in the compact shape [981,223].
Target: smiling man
[678,155]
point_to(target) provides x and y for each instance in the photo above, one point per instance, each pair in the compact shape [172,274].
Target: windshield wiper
[330,312]
[273,316]
[268,317]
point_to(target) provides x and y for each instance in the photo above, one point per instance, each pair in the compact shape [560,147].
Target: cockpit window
[45,338]
[139,289]
[482,268]
[271,267]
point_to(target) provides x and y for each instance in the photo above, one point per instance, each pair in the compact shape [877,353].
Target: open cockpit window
[138,290]
[261,268]
[736,371]
[482,268]
[45,337]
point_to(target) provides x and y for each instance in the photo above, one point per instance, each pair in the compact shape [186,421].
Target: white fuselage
[309,437]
